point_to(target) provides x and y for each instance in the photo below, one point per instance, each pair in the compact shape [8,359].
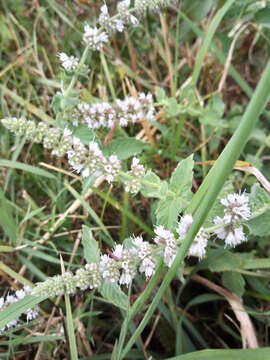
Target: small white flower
[198,246]
[69,63]
[94,38]
[236,206]
[232,234]
[118,251]
[184,225]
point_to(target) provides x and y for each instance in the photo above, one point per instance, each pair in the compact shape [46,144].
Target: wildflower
[136,173]
[88,277]
[125,16]
[112,168]
[127,264]
[236,207]
[110,25]
[233,234]
[69,63]
[94,38]
[109,269]
[122,112]
[143,251]
[198,246]
[166,239]
[56,285]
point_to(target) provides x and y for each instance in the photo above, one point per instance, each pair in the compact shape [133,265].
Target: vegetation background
[41,206]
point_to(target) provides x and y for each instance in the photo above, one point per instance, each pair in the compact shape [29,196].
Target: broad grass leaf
[28,168]
[237,354]
[90,246]
[14,310]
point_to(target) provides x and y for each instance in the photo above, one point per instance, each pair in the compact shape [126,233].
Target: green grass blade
[246,354]
[208,39]
[70,330]
[29,168]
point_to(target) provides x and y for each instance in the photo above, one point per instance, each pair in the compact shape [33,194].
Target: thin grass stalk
[208,39]
[205,199]
[70,330]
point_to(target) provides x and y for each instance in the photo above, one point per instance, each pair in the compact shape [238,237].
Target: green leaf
[243,354]
[154,187]
[224,261]
[124,147]
[90,246]
[260,225]
[28,168]
[258,198]
[181,179]
[234,281]
[113,293]
[160,95]
[16,309]
[167,212]
[85,134]
[213,112]
[263,17]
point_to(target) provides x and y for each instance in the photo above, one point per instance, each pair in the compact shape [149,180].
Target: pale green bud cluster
[88,277]
[56,285]
[28,128]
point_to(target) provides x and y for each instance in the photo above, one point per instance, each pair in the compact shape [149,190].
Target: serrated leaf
[181,179]
[258,198]
[234,281]
[14,310]
[124,147]
[153,186]
[260,225]
[113,293]
[213,112]
[85,134]
[90,246]
[167,212]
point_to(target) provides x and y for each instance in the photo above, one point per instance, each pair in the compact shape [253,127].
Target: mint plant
[187,223]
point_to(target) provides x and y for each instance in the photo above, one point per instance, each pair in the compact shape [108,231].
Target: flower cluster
[167,242]
[198,246]
[83,160]
[69,63]
[135,175]
[109,24]
[236,210]
[10,299]
[122,112]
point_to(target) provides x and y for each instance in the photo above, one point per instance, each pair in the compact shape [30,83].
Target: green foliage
[114,295]
[90,246]
[234,282]
[179,194]
[125,147]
